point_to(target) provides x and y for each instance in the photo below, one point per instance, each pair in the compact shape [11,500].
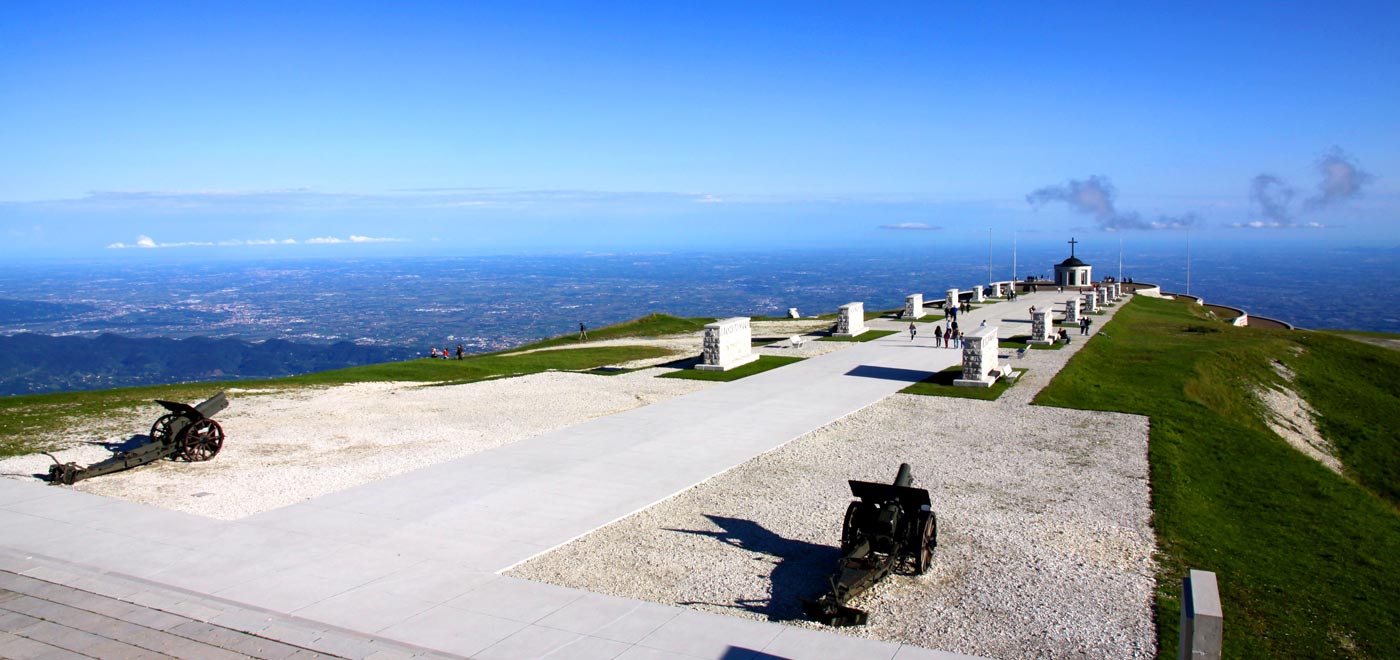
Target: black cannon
[185,433]
[891,527]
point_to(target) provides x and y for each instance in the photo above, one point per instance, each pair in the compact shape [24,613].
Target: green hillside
[31,423]
[1306,559]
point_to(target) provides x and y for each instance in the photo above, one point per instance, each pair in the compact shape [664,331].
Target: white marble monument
[1072,310]
[979,358]
[728,344]
[1101,294]
[851,320]
[1091,303]
[977,295]
[950,299]
[792,313]
[1042,328]
[914,306]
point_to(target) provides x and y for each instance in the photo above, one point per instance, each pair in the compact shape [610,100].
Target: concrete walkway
[413,561]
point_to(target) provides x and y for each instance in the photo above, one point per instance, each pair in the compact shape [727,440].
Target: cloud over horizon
[146,242]
[912,226]
[1341,181]
[1096,196]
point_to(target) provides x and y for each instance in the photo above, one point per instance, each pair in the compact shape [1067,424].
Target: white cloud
[912,226]
[144,241]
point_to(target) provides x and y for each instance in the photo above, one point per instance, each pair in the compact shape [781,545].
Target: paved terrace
[409,566]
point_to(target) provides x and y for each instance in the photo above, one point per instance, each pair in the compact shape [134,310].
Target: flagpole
[990,279]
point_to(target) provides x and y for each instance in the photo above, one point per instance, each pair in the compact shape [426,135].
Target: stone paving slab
[410,563]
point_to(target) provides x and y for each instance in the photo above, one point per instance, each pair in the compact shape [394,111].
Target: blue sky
[257,128]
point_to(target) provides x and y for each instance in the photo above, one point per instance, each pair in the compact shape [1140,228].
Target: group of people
[446,353]
[952,337]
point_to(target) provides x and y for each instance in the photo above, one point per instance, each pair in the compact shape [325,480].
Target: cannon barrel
[186,432]
[905,477]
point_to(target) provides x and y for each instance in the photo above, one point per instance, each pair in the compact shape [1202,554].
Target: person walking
[938,337]
[460,352]
[912,331]
[582,332]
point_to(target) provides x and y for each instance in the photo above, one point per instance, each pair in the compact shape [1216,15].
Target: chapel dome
[1072,262]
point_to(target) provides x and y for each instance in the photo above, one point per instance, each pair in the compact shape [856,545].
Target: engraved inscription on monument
[850,321]
[728,344]
[979,358]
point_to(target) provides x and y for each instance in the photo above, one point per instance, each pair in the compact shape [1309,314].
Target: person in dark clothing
[582,332]
[938,336]
[460,352]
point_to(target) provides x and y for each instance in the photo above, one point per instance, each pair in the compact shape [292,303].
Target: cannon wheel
[850,534]
[160,431]
[202,441]
[929,541]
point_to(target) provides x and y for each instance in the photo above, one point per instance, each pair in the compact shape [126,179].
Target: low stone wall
[1234,315]
[1266,322]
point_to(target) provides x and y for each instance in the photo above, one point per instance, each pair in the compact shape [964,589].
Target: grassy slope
[1306,559]
[762,364]
[27,422]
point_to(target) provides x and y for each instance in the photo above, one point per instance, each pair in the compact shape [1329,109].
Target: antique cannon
[186,432]
[890,527]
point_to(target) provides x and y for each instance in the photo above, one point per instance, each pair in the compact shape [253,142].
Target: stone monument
[1091,303]
[950,299]
[1042,330]
[1072,310]
[977,295]
[851,320]
[1101,294]
[728,344]
[914,306]
[1202,618]
[979,366]
[792,313]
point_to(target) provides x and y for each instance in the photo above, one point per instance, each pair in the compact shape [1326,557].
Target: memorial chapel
[1072,271]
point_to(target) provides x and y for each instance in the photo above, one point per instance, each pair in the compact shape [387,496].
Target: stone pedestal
[1101,294]
[1091,303]
[950,299]
[1117,291]
[1072,310]
[1042,329]
[728,344]
[914,306]
[979,367]
[977,295]
[850,321]
[792,313]
[1202,618]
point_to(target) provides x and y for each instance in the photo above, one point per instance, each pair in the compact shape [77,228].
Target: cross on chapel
[1071,246]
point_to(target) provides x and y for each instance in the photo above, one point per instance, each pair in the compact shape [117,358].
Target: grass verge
[762,364]
[1305,558]
[868,335]
[941,384]
[1022,341]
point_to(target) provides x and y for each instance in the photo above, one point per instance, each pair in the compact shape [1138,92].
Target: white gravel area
[300,444]
[1045,546]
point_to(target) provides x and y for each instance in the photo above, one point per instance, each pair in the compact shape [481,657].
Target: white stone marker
[914,306]
[1101,294]
[1072,310]
[977,296]
[1041,328]
[1091,303]
[1117,291]
[851,320]
[950,299]
[792,313]
[728,344]
[980,358]
[1202,618]
[996,290]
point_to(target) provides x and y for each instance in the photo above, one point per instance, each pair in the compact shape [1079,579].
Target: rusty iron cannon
[891,527]
[185,433]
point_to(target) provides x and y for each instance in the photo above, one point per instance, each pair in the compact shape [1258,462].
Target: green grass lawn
[1306,559]
[941,384]
[762,364]
[30,423]
[651,325]
[1020,341]
[868,335]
